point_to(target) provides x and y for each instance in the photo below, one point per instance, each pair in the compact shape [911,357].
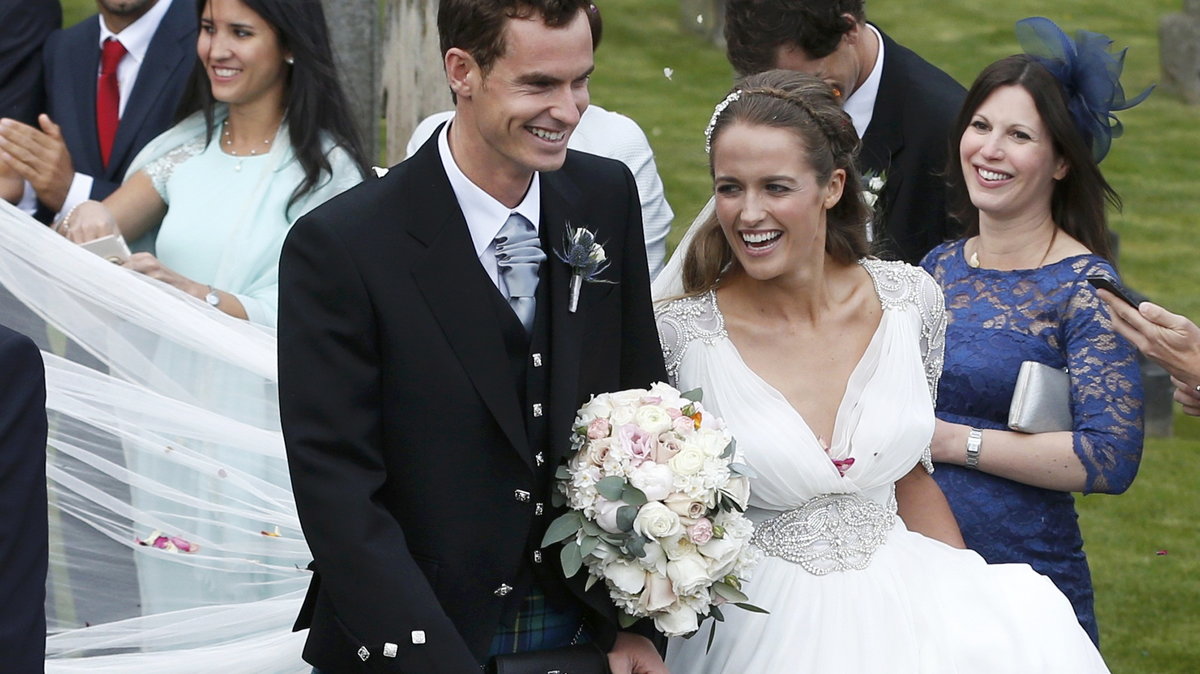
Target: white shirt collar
[861,103]
[483,213]
[137,36]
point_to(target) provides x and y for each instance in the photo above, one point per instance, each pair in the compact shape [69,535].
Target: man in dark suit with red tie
[113,83]
[902,106]
[431,362]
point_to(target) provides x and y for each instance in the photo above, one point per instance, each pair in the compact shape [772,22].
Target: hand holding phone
[1106,283]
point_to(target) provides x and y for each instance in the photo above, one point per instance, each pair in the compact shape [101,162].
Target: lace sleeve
[160,170]
[682,321]
[1106,392]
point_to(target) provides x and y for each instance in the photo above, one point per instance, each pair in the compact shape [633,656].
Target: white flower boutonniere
[586,258]
[874,184]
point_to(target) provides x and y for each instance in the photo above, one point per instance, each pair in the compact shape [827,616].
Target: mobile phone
[111,248]
[1111,286]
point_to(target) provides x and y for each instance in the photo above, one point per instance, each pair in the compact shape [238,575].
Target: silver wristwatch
[212,297]
[974,444]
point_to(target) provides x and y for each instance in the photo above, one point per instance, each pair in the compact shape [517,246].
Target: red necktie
[108,96]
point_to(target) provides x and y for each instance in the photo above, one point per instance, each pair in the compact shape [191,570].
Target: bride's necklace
[973,260]
[228,140]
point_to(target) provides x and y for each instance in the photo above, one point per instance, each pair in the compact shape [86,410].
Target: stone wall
[1179,47]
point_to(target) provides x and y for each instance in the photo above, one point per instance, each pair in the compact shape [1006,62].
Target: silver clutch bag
[1042,399]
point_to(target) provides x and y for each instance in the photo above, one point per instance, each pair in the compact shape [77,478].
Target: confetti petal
[668,72]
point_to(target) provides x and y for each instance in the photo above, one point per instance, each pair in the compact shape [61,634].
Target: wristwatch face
[212,298]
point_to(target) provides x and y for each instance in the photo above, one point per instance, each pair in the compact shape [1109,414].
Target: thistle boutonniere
[873,184]
[586,258]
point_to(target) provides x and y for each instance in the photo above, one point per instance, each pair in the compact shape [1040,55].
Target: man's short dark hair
[755,29]
[477,26]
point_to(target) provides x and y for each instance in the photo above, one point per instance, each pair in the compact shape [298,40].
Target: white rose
[711,442]
[875,183]
[626,576]
[605,552]
[658,593]
[622,414]
[606,515]
[678,547]
[688,461]
[739,490]
[654,559]
[628,397]
[688,574]
[722,554]
[655,520]
[668,394]
[598,407]
[677,621]
[654,479]
[652,419]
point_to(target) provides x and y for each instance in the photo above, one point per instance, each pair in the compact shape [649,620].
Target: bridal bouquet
[655,495]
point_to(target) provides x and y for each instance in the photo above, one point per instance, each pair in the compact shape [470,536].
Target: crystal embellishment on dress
[830,533]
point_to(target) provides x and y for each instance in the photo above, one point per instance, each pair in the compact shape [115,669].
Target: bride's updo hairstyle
[807,107]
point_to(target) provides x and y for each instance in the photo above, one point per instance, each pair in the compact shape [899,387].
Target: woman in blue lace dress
[1030,192]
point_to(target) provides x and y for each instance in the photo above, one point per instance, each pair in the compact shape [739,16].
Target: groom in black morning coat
[902,106]
[423,422]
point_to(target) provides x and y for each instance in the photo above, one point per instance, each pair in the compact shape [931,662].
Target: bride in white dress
[824,364]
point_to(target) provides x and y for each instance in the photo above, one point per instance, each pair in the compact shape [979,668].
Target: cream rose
[655,520]
[688,574]
[626,576]
[677,621]
[652,419]
[722,554]
[689,510]
[688,461]
[739,490]
[658,593]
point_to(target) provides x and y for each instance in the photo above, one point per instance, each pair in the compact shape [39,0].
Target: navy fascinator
[1089,74]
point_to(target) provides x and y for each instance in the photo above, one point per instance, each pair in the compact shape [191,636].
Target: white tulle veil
[174,540]
[669,282]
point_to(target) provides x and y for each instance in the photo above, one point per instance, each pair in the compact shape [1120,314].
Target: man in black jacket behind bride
[902,106]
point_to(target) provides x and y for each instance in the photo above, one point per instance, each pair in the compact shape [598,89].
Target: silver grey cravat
[519,254]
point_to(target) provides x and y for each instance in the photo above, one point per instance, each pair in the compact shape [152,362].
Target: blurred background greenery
[1143,545]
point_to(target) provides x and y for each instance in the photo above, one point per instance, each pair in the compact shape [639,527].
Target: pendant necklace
[973,261]
[228,139]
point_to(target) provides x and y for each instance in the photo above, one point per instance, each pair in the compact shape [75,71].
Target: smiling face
[770,203]
[517,117]
[1008,158]
[242,55]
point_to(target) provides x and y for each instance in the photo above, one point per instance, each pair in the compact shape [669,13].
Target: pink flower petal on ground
[1161,553]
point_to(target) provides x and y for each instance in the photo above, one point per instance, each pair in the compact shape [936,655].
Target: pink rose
[701,532]
[674,412]
[665,450]
[651,400]
[638,443]
[683,426]
[599,428]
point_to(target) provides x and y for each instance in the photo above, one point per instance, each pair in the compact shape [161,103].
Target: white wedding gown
[862,594]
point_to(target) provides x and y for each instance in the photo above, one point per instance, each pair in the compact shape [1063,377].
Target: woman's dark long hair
[314,102]
[1077,203]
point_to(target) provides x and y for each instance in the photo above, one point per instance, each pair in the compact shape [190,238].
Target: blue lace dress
[997,319]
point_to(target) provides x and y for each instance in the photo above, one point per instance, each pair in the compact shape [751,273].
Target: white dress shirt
[615,136]
[485,215]
[861,103]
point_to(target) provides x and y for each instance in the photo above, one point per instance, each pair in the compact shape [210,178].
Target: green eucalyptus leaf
[571,559]
[625,517]
[729,449]
[715,612]
[625,619]
[633,496]
[712,632]
[751,608]
[695,395]
[558,499]
[636,545]
[591,528]
[563,527]
[562,473]
[587,545]
[728,592]
[590,582]
[611,487]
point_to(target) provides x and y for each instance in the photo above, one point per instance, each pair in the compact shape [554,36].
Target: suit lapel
[84,69]
[456,288]
[167,50]
[566,328]
[885,136]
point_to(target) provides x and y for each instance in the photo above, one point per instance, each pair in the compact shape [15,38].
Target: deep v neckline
[838,419]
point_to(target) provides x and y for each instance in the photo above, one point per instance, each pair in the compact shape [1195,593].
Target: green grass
[1148,604]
